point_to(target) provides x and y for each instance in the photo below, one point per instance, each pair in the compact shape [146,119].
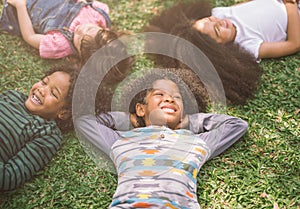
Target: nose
[221,23]
[168,98]
[42,90]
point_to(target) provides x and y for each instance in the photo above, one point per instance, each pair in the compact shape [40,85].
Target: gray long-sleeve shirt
[157,166]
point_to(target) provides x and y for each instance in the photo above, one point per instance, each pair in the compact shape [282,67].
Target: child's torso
[157,167]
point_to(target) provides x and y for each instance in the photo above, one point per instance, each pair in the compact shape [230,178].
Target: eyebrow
[46,77]
[166,92]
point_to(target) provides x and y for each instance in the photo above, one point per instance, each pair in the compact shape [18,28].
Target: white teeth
[168,110]
[36,100]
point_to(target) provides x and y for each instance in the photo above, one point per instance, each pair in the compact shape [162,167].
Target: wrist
[20,6]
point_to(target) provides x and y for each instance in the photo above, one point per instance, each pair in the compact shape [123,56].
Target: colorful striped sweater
[157,168]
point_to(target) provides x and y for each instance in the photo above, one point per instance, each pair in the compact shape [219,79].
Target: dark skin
[165,94]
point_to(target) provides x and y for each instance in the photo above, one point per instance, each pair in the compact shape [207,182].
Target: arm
[218,131]
[25,24]
[98,131]
[33,156]
[292,44]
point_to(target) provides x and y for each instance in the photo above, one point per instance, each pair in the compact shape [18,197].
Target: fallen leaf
[263,195]
[276,206]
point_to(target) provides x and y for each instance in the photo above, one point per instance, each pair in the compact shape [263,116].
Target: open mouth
[35,99]
[168,109]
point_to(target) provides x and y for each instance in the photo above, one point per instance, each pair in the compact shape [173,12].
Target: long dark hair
[237,69]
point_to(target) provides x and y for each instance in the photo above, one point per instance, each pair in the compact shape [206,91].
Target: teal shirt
[27,142]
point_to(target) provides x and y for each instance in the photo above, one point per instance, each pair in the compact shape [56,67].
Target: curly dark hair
[116,73]
[139,98]
[107,40]
[72,70]
[90,45]
[100,76]
[135,89]
[237,69]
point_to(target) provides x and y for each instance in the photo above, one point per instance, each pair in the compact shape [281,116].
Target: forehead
[91,29]
[166,85]
[60,79]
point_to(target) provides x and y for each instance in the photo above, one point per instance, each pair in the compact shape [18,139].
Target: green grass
[261,171]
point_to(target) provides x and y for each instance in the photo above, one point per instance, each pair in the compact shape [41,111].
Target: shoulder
[46,127]
[13,96]
[12,93]
[101,6]
[55,45]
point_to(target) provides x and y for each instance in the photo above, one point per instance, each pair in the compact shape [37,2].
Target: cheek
[52,102]
[227,34]
[35,86]
[181,108]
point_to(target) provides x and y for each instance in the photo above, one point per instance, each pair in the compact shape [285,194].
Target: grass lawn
[261,171]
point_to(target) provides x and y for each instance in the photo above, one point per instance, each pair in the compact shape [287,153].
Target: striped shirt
[27,142]
[157,168]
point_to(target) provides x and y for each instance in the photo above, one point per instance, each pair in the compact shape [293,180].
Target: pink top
[54,45]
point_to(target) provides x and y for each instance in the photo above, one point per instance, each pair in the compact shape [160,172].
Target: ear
[140,110]
[64,114]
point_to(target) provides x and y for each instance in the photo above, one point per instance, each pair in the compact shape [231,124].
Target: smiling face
[163,106]
[83,31]
[47,97]
[221,30]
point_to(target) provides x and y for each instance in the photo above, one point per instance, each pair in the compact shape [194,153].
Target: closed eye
[177,96]
[217,30]
[53,93]
[44,81]
[159,94]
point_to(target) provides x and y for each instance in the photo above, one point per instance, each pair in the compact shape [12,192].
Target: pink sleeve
[54,46]
[101,6]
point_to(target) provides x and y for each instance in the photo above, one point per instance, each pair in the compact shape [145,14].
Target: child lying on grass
[59,28]
[158,161]
[31,125]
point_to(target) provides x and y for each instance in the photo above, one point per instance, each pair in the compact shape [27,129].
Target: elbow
[10,181]
[298,47]
[295,46]
[243,126]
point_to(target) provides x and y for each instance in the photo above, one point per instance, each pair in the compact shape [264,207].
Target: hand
[17,3]
[184,123]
